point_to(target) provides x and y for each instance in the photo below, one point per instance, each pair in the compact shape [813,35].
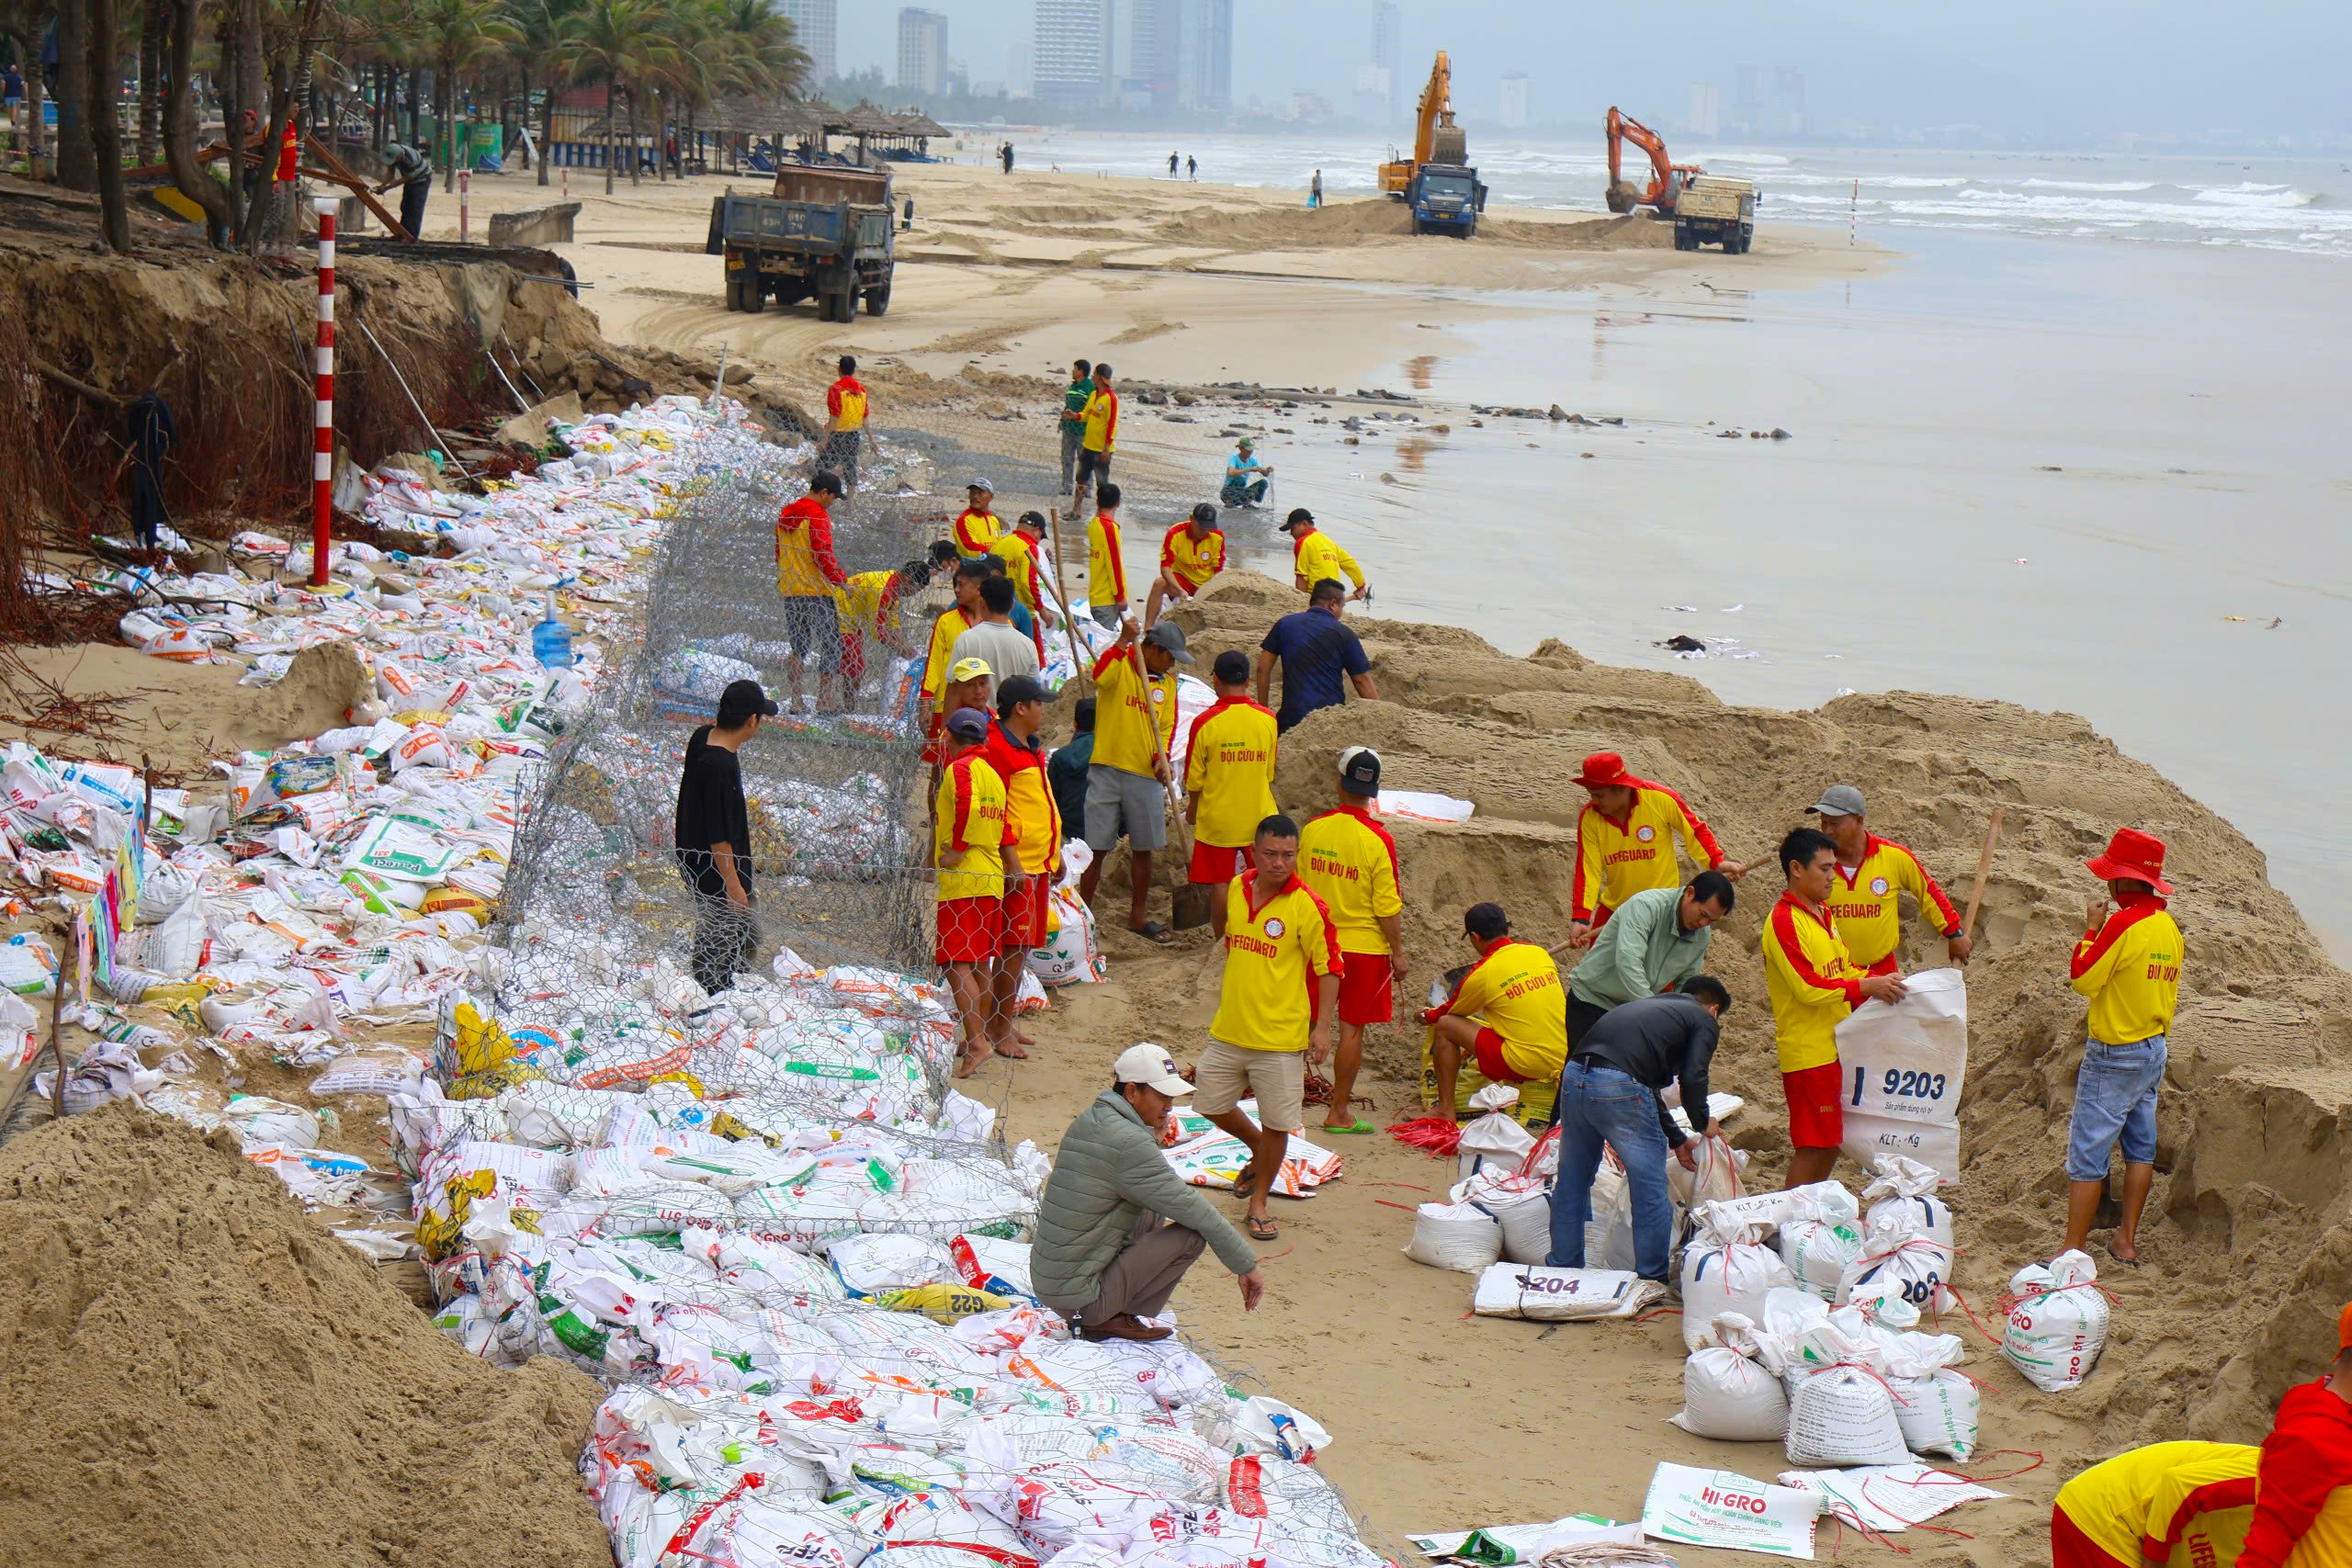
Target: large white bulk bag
[1820,1236]
[1455,1235]
[1725,1276]
[1938,1413]
[2057,1322]
[1903,1067]
[1844,1415]
[1726,1394]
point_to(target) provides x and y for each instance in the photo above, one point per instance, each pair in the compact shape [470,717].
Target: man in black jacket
[1611,1093]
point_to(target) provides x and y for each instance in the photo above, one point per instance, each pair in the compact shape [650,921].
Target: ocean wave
[2088,184]
[2252,194]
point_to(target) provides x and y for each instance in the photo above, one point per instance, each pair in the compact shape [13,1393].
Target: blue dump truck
[825,233]
[1445,198]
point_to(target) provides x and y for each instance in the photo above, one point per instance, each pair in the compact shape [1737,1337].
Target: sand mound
[2249,1236]
[1368,222]
[197,1374]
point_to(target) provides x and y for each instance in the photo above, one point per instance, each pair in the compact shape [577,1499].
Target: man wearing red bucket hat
[1622,843]
[2128,964]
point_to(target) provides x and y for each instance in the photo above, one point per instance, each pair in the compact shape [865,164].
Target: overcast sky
[2080,68]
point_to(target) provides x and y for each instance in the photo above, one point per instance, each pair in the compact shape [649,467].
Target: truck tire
[754,294]
[824,306]
[734,290]
[1683,237]
[845,305]
[877,300]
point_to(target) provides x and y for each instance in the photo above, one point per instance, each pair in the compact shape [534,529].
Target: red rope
[1406,1207]
[1990,1337]
[2033,1454]
[1433,1135]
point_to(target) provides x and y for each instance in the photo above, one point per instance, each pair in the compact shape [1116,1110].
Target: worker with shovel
[1128,779]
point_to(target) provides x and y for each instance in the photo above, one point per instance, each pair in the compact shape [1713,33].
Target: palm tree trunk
[36,133]
[445,98]
[635,177]
[155,19]
[77,167]
[546,125]
[105,126]
[179,127]
[612,149]
[415,104]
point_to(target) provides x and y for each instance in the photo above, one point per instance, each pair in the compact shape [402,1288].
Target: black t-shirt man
[710,794]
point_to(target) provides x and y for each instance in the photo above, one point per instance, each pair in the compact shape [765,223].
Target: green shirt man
[1073,423]
[1655,941]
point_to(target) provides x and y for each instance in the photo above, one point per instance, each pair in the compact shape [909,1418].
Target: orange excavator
[1667,180]
[1436,139]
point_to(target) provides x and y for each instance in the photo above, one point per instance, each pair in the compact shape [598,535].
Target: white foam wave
[2251,195]
[2089,185]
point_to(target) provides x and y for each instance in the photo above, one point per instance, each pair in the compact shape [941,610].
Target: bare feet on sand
[972,1059]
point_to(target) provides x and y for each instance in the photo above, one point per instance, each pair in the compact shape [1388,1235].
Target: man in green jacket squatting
[1102,1256]
[1657,941]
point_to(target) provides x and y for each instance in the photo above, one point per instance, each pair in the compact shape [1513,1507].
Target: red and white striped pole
[323,433]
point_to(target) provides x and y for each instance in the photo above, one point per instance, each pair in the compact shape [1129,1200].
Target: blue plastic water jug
[551,640]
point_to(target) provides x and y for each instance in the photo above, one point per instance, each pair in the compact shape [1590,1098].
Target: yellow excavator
[1436,139]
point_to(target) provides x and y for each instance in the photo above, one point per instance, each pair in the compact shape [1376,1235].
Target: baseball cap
[739,701]
[1299,514]
[969,724]
[1232,667]
[1014,690]
[1151,1066]
[1167,635]
[1247,441]
[975,482]
[1837,800]
[971,667]
[1359,769]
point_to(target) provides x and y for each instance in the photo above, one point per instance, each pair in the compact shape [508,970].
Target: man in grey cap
[1872,872]
[1126,782]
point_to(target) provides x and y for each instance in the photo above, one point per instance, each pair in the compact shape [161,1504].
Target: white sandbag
[1561,1295]
[1908,1186]
[1821,1236]
[1844,1415]
[1727,1275]
[1527,1227]
[1900,1261]
[1071,955]
[1717,1177]
[1607,1201]
[175,949]
[1938,1413]
[1726,1394]
[1494,1142]
[1903,1066]
[885,1262]
[1454,1235]
[2057,1322]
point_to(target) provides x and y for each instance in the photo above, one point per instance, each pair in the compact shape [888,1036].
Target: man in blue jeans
[1610,1094]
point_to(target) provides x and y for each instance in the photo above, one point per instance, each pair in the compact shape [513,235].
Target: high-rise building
[1747,101]
[1706,110]
[1072,53]
[1153,27]
[922,51]
[1388,51]
[1181,52]
[1788,102]
[1514,107]
[816,26]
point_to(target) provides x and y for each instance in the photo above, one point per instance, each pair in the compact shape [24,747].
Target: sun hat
[2133,856]
[1602,770]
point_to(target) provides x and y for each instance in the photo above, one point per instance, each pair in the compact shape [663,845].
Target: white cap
[1151,1066]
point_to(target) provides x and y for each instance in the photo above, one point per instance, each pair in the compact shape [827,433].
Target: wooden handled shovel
[1194,904]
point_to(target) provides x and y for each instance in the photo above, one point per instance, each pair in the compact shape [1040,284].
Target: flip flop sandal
[1362,1126]
[1154,931]
[1245,1184]
[1264,1230]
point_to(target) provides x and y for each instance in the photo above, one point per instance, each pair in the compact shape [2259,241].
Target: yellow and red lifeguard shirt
[1314,558]
[846,401]
[804,566]
[1100,420]
[976,531]
[1194,562]
[1028,797]
[972,817]
[1020,559]
[862,601]
[1515,988]
[952,624]
[2130,968]
[2145,1501]
[1864,903]
[1273,952]
[2302,1508]
[1134,718]
[1229,769]
[1106,572]
[1350,862]
[1813,983]
[1618,859]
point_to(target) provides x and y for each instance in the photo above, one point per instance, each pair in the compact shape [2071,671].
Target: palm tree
[620,43]
[759,39]
[461,34]
[540,24]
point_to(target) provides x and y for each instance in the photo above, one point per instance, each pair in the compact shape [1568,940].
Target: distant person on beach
[406,168]
[976,845]
[713,835]
[1813,983]
[1315,649]
[1314,557]
[1191,554]
[150,429]
[1193,168]
[995,639]
[1276,1003]
[1102,1256]
[1228,774]
[1073,422]
[1005,152]
[1067,768]
[1871,871]
[1315,190]
[1625,843]
[1347,860]
[2128,962]
[1106,566]
[1505,1016]
[810,581]
[978,526]
[1171,165]
[845,408]
[1100,439]
[1245,477]
[1125,794]
[1613,1093]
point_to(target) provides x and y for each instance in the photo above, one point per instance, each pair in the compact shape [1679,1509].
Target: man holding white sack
[1612,1092]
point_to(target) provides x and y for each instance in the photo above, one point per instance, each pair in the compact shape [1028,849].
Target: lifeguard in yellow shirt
[1872,872]
[1625,844]
[2128,964]
[1509,1016]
